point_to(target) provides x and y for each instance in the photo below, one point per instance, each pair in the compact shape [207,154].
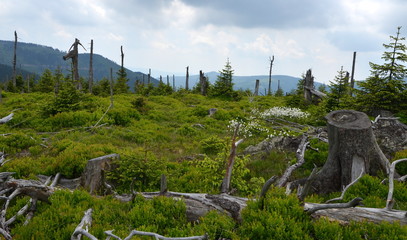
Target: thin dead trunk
[352,79]
[271,67]
[15,60]
[256,88]
[91,67]
[187,79]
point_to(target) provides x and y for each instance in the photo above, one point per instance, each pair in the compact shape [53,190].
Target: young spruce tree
[339,94]
[223,87]
[386,89]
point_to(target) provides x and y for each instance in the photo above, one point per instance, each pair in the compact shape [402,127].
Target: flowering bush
[246,128]
[284,112]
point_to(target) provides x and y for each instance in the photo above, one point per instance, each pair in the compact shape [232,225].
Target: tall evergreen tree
[385,88]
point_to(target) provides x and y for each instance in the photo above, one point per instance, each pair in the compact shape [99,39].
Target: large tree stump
[93,178]
[352,149]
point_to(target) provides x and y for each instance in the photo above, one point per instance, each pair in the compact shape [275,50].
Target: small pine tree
[385,88]
[223,87]
[46,83]
[121,82]
[338,96]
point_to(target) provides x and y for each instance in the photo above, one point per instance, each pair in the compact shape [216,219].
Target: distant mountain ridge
[287,83]
[33,58]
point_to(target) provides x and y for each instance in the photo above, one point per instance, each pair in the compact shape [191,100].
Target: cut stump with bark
[93,178]
[352,148]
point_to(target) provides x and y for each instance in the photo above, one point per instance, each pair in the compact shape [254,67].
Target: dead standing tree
[74,55]
[91,67]
[352,149]
[15,60]
[271,67]
[310,93]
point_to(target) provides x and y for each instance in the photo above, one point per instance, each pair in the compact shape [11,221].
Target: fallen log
[359,214]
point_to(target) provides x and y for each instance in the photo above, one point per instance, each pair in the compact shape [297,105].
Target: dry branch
[264,190]
[390,201]
[231,160]
[347,187]
[300,157]
[6,118]
[83,227]
[353,203]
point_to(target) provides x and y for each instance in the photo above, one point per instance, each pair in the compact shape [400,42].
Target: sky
[168,35]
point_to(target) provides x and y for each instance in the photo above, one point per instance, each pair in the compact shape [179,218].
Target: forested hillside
[35,59]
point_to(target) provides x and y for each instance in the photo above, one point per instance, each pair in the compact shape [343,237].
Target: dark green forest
[156,130]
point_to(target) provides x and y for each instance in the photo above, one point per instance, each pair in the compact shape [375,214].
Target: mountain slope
[36,58]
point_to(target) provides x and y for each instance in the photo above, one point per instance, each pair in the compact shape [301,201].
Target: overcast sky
[168,35]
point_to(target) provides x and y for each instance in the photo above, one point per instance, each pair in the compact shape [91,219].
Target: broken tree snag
[93,177]
[390,201]
[74,55]
[352,147]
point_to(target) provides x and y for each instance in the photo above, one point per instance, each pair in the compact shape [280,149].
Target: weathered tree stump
[93,178]
[352,149]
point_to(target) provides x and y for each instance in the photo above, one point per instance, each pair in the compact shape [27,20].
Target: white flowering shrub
[281,132]
[284,112]
[246,128]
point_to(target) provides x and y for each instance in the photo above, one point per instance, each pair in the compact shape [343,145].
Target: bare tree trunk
[111,87]
[122,56]
[352,149]
[271,67]
[187,79]
[308,85]
[256,88]
[91,67]
[15,60]
[352,79]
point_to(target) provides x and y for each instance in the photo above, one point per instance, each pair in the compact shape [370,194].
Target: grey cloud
[356,41]
[271,13]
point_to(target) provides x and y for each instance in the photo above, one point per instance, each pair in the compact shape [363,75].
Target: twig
[347,187]
[390,201]
[110,106]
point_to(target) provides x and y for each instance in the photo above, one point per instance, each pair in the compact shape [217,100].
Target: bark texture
[352,147]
